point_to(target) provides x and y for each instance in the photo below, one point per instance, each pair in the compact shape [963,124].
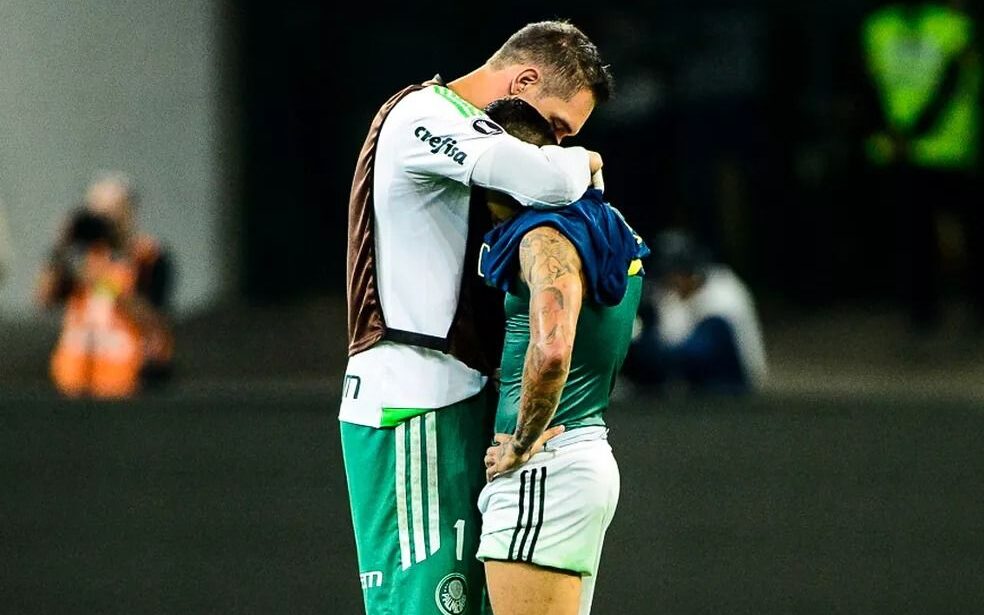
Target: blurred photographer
[114,284]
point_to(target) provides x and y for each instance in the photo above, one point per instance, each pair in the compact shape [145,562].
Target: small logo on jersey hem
[486,127]
[452,594]
[352,384]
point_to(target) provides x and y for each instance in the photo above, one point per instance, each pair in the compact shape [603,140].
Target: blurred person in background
[114,283]
[572,278]
[417,405]
[924,65]
[697,325]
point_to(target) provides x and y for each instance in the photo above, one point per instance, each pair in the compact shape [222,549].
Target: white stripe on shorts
[416,492]
[401,495]
[433,501]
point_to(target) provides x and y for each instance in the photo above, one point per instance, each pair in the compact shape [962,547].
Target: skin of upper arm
[551,268]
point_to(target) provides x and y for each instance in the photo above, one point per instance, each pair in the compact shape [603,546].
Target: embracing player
[416,409]
[573,285]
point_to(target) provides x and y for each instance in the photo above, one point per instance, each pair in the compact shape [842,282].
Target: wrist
[519,448]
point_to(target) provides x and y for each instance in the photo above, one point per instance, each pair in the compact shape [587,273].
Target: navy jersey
[605,242]
[610,254]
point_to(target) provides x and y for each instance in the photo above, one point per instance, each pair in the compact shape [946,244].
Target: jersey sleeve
[603,240]
[542,177]
[441,134]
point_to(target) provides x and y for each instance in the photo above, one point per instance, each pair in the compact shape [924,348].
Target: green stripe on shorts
[391,417]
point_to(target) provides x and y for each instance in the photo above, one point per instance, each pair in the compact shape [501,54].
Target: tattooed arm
[551,268]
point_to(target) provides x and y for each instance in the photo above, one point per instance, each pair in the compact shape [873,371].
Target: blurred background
[780,136]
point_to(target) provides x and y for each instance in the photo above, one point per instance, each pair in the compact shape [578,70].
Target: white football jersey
[424,160]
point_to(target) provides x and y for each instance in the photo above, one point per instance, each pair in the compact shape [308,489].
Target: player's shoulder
[591,215]
[548,243]
[437,102]
[545,232]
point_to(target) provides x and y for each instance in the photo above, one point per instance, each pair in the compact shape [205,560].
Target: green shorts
[413,491]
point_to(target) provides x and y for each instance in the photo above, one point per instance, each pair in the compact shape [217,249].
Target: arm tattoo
[551,268]
[550,256]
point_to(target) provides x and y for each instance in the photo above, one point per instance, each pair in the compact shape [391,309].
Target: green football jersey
[600,345]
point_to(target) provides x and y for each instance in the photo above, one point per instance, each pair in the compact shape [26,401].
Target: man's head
[553,66]
[680,262]
[521,120]
[112,195]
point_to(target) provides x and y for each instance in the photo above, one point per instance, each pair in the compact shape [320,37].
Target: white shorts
[554,510]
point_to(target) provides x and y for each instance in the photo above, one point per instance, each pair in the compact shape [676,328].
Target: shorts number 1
[459,528]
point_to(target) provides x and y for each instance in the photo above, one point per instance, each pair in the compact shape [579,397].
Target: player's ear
[525,78]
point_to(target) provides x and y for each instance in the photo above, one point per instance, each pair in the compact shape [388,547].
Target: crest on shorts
[452,594]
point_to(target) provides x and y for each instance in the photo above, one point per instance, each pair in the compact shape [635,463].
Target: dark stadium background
[851,485]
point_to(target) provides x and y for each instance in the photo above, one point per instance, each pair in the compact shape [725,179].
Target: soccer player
[416,409]
[573,288]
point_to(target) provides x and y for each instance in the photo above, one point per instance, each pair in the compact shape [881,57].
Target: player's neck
[481,86]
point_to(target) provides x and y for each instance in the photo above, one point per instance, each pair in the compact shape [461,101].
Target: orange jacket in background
[102,349]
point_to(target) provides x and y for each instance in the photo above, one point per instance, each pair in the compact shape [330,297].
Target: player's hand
[594,162]
[597,181]
[502,458]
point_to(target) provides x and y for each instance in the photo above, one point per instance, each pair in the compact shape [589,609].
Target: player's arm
[551,268]
[548,176]
[436,140]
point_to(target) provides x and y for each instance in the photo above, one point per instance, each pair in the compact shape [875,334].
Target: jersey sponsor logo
[371,579]
[351,386]
[486,127]
[452,594]
[443,145]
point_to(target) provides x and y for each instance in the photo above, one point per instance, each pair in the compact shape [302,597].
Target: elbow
[559,190]
[555,192]
[554,359]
